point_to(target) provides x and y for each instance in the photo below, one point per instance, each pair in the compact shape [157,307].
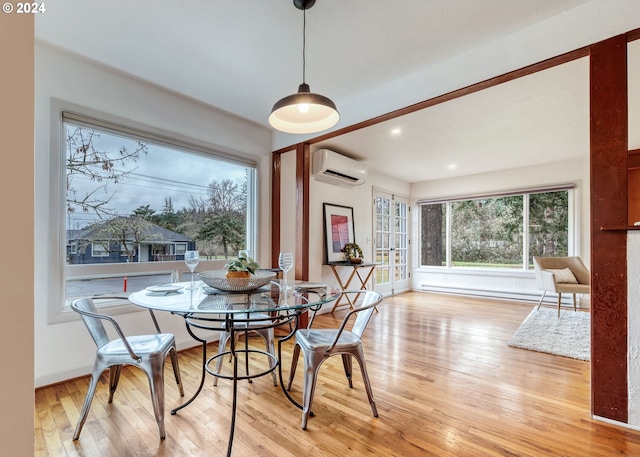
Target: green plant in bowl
[243,266]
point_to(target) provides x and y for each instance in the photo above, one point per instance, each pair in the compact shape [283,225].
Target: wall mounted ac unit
[333,168]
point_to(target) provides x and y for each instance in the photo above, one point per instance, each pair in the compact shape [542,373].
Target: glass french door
[391,214]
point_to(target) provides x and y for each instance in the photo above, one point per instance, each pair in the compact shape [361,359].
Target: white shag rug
[543,331]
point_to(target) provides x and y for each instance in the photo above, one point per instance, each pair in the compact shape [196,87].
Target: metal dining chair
[256,326]
[317,345]
[147,352]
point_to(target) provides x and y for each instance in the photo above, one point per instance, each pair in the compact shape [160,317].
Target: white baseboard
[526,296]
[617,423]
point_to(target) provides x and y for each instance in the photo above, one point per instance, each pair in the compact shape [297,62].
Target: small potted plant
[242,267]
[352,253]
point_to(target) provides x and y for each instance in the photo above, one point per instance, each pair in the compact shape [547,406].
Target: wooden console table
[357,269]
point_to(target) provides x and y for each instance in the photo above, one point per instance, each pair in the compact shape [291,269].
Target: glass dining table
[237,312]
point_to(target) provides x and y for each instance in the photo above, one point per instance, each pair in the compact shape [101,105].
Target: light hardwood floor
[444,380]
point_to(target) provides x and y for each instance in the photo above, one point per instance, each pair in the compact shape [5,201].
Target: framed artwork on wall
[338,231]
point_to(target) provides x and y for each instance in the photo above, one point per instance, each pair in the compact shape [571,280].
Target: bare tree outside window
[86,160]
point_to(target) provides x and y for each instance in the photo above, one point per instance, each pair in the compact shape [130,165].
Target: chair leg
[95,376]
[559,300]
[294,364]
[176,370]
[346,361]
[154,369]
[267,335]
[114,377]
[544,292]
[575,308]
[269,338]
[311,367]
[367,384]
[222,344]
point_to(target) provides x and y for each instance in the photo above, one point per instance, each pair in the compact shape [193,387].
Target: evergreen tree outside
[548,225]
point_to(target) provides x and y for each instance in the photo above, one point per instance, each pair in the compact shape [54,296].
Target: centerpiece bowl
[218,280]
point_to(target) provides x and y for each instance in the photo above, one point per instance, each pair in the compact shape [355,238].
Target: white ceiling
[243,56]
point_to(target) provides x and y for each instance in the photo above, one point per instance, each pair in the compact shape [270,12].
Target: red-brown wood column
[608,93]
[276,176]
[303,171]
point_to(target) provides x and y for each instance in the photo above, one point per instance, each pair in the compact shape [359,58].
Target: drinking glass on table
[191,258]
[285,262]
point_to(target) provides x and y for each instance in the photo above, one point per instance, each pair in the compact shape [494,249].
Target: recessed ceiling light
[452,166]
[396,131]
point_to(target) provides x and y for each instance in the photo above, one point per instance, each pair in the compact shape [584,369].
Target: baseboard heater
[534,297]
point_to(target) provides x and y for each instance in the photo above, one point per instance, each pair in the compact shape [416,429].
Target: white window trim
[572,190]
[73,248]
[175,248]
[58,309]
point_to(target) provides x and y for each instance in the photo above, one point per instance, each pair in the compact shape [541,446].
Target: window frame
[58,309]
[570,188]
[128,246]
[175,248]
[98,250]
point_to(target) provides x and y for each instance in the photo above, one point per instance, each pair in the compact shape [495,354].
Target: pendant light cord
[304,44]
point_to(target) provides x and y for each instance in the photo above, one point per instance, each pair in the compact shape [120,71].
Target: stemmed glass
[285,262]
[191,258]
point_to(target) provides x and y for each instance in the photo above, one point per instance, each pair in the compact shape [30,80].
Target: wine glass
[285,262]
[191,258]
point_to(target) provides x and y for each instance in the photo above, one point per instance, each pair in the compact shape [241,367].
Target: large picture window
[503,231]
[136,201]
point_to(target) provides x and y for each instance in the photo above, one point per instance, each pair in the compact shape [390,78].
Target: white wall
[517,284]
[360,198]
[499,283]
[64,350]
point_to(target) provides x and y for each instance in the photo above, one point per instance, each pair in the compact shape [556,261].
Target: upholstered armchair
[562,275]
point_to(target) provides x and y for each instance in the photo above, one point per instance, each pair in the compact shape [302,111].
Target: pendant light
[304,112]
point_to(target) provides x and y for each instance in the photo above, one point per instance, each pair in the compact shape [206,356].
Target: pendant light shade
[304,112]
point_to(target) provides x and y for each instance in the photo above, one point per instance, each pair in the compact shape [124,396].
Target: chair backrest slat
[371,299]
[363,314]
[93,324]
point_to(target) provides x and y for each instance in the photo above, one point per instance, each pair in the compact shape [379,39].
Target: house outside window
[503,231]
